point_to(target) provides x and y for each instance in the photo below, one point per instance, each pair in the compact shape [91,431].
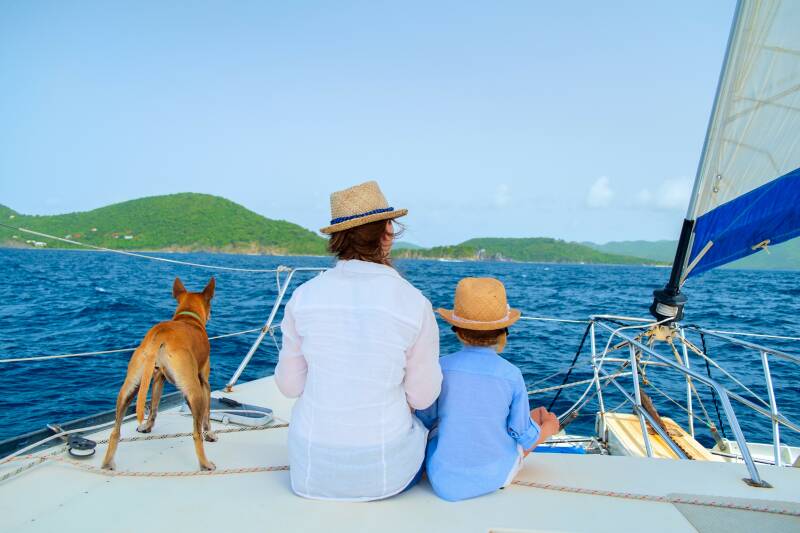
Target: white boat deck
[57,496]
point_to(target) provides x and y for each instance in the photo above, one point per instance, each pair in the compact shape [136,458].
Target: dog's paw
[144,428]
[109,466]
[208,466]
[210,436]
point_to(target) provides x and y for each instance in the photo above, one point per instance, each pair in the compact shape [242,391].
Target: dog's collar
[191,314]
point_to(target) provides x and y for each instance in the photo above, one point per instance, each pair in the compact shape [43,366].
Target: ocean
[57,301]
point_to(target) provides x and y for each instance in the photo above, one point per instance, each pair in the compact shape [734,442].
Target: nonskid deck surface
[57,496]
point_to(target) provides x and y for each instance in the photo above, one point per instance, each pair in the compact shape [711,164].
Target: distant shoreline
[4,246]
[662,265]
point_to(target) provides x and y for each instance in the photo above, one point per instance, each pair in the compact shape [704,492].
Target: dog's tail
[144,383]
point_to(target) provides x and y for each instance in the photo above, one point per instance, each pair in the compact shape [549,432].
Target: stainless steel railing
[683,367]
[268,325]
[774,414]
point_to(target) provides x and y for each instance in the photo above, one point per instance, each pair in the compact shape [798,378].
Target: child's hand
[549,425]
[547,422]
[537,415]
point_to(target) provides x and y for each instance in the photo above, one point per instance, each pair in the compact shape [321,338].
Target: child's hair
[480,338]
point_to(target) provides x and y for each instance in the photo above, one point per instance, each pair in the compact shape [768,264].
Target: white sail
[748,183]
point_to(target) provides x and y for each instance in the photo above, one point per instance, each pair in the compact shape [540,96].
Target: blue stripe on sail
[771,211]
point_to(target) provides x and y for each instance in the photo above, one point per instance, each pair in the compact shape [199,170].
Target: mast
[668,302]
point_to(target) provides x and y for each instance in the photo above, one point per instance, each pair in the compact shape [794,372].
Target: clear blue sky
[579,120]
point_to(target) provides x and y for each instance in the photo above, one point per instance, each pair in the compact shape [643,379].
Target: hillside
[543,250]
[403,245]
[784,256]
[179,222]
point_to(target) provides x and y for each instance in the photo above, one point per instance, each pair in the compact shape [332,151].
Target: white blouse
[360,349]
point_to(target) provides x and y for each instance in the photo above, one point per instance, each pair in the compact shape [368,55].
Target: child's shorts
[516,468]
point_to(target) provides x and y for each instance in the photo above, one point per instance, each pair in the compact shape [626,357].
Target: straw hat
[359,205]
[480,304]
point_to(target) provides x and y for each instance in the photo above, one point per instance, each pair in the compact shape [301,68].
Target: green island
[188,222]
[175,222]
[529,250]
[200,222]
[784,256]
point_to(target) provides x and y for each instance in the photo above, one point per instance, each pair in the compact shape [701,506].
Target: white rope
[760,335]
[551,319]
[576,383]
[120,350]
[151,257]
[562,371]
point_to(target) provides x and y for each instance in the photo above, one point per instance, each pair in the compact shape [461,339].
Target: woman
[360,351]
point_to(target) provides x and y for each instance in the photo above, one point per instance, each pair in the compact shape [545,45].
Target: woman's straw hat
[359,205]
[480,304]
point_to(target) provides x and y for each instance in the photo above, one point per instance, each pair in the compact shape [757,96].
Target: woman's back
[357,321]
[370,343]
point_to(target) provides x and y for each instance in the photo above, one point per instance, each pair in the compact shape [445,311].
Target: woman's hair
[362,242]
[480,338]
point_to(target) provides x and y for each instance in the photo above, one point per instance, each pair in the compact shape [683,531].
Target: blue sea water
[55,302]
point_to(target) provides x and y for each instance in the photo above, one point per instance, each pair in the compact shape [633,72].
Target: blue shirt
[480,418]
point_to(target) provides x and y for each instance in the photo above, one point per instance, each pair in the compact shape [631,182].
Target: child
[481,426]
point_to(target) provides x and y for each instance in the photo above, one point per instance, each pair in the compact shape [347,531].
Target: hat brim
[347,224]
[448,316]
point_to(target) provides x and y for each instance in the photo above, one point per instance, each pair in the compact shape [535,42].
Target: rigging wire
[697,350]
[713,394]
[691,383]
[144,256]
[572,365]
[120,350]
[707,423]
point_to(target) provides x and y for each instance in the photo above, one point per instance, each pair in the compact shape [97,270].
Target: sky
[582,121]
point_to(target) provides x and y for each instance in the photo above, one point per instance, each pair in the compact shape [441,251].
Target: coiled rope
[145,256]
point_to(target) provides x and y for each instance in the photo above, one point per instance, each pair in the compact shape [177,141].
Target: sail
[747,191]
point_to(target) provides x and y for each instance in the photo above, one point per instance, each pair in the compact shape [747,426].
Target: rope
[164,436]
[572,365]
[189,473]
[744,334]
[143,256]
[54,456]
[554,374]
[659,499]
[576,383]
[120,350]
[713,394]
[692,387]
[38,459]
[551,319]
[684,409]
[696,350]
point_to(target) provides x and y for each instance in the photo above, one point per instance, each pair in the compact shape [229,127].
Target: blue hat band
[361,215]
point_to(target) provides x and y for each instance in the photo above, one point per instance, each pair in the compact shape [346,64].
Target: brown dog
[176,350]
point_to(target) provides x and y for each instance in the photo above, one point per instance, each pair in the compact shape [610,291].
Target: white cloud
[600,193]
[502,195]
[645,197]
[670,194]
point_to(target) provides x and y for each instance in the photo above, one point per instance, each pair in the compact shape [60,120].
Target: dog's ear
[178,289]
[208,292]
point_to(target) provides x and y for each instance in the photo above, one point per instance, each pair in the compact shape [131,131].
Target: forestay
[747,191]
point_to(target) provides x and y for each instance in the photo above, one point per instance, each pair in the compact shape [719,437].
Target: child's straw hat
[359,205]
[480,304]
